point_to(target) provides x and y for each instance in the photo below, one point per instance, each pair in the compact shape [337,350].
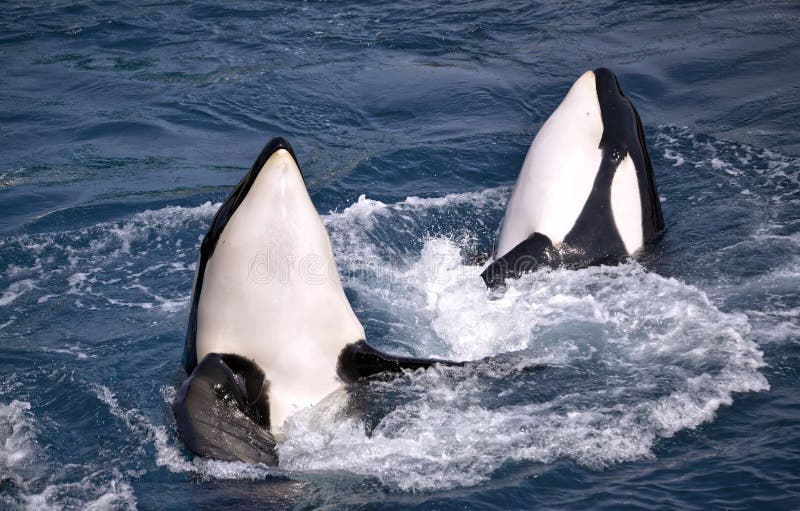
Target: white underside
[271,292]
[558,173]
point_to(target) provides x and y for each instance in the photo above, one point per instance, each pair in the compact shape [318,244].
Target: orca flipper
[222,411]
[538,252]
[359,360]
[535,252]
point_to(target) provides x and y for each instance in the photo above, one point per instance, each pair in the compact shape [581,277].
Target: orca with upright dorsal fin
[270,328]
[586,193]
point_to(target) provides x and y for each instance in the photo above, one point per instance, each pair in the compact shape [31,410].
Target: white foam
[40,482]
[107,265]
[774,322]
[664,357]
[16,290]
[767,184]
[114,494]
[118,495]
[74,350]
[676,158]
[640,326]
[364,211]
[17,435]
[661,355]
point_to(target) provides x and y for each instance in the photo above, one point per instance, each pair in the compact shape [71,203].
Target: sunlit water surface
[671,382]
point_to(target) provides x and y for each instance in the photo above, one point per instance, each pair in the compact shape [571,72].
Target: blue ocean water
[672,382]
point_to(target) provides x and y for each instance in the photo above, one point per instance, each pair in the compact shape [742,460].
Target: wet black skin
[222,411]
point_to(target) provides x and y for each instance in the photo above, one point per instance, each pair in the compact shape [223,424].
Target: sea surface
[672,382]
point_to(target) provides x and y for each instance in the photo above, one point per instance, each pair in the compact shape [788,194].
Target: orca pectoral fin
[222,411]
[535,252]
[359,360]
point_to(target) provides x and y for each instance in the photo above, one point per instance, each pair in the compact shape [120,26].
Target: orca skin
[269,321]
[586,193]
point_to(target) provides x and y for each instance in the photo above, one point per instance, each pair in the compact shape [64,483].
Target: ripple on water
[30,479]
[632,356]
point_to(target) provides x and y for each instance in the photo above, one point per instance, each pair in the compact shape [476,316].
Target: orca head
[559,169]
[267,288]
[586,193]
[269,322]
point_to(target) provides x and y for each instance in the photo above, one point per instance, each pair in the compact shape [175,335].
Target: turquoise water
[672,382]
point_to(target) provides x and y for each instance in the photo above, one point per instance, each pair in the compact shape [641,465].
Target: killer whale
[270,327]
[586,192]
[259,346]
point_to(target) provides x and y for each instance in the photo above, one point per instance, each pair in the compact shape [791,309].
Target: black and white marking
[270,328]
[586,192]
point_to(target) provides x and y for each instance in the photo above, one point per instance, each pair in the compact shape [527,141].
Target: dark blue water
[672,382]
